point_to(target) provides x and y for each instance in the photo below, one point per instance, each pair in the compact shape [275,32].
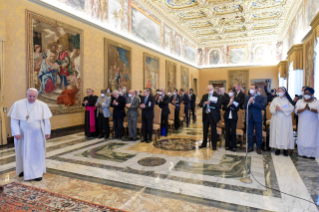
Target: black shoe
[149,141]
[227,148]
[285,153]
[233,150]
[277,152]
[21,174]
[214,148]
[101,136]
[144,140]
[258,151]
[38,179]
[107,138]
[250,149]
[201,147]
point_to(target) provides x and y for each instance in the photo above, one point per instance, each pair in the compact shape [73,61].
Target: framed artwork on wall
[184,78]
[170,76]
[55,62]
[117,62]
[237,54]
[238,76]
[309,64]
[151,68]
[218,84]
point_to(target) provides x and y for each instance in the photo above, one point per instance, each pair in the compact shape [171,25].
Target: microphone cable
[270,154]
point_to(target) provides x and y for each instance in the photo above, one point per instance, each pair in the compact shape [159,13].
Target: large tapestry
[151,72]
[54,62]
[238,77]
[117,65]
[184,78]
[309,72]
[170,76]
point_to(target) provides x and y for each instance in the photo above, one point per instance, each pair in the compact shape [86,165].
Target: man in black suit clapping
[211,103]
[147,107]
[118,103]
[162,101]
[185,100]
[240,95]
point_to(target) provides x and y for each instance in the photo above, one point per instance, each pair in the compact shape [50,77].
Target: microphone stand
[246,179]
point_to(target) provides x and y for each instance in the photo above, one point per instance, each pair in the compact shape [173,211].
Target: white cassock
[308,129]
[30,149]
[281,131]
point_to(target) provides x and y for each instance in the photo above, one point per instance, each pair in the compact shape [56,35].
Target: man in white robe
[281,131]
[30,126]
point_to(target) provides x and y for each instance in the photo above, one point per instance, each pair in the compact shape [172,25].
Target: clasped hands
[115,103]
[85,102]
[278,108]
[142,105]
[128,105]
[206,103]
[251,101]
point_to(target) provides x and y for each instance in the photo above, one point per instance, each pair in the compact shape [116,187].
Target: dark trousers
[104,126]
[193,114]
[118,127]
[186,111]
[147,128]
[258,126]
[210,121]
[231,124]
[164,123]
[176,119]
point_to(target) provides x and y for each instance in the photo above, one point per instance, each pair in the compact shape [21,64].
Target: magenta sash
[91,110]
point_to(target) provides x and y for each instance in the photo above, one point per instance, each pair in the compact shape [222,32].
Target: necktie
[145,100]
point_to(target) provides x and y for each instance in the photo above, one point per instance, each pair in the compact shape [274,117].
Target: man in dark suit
[162,101]
[118,103]
[211,104]
[240,95]
[255,104]
[192,97]
[223,95]
[186,101]
[147,107]
[175,99]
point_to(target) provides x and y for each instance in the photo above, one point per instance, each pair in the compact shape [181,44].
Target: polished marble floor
[172,174]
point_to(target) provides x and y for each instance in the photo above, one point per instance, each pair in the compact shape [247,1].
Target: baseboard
[55,133]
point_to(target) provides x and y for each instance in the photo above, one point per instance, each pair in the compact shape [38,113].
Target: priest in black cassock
[90,111]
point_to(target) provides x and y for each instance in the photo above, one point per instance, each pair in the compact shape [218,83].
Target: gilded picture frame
[170,75]
[55,62]
[151,71]
[235,54]
[117,65]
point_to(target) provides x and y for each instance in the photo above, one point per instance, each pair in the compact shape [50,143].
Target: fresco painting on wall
[184,78]
[189,53]
[261,54]
[178,45]
[238,76]
[214,57]
[309,66]
[170,75]
[144,27]
[311,9]
[167,39]
[117,64]
[237,54]
[151,72]
[54,64]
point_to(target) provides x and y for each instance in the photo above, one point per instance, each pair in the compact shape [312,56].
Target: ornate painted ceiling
[211,22]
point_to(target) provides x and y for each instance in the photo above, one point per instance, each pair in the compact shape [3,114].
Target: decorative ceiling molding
[211,21]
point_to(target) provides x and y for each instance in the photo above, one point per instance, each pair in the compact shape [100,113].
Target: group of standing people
[98,111]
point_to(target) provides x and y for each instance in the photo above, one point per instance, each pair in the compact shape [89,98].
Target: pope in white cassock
[30,126]
[281,131]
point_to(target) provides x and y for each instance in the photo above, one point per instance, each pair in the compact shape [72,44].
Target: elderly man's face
[145,92]
[88,93]
[115,95]
[32,96]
